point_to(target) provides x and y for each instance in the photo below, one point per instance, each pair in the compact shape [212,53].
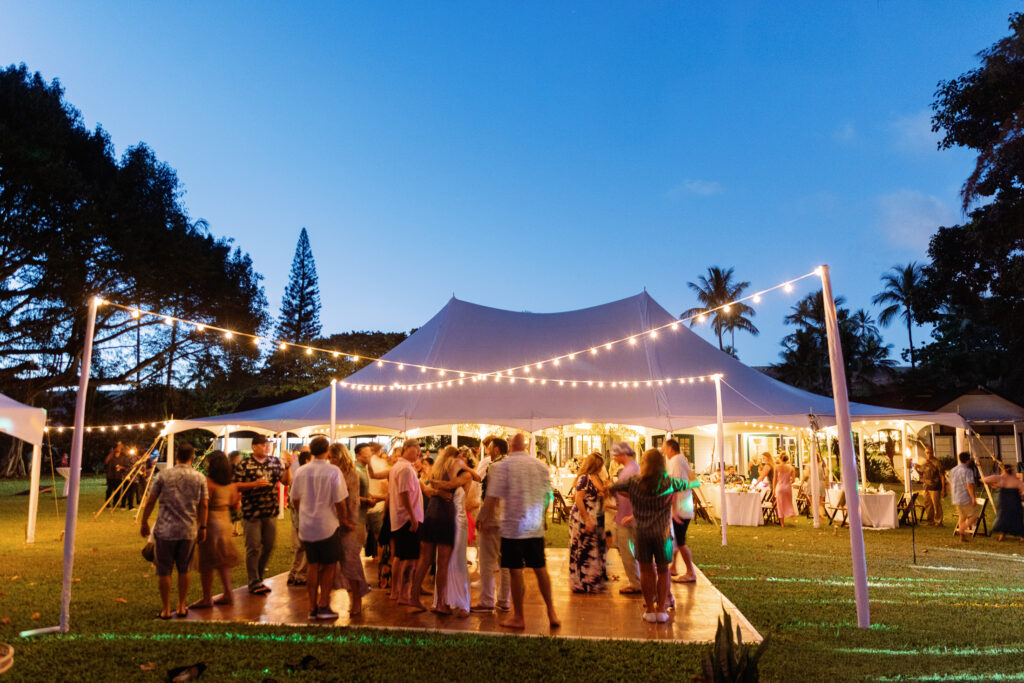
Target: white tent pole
[719,444]
[334,410]
[455,435]
[815,478]
[863,464]
[170,450]
[33,494]
[907,483]
[71,521]
[847,461]
[1016,443]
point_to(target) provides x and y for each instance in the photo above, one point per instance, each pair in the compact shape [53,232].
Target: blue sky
[534,156]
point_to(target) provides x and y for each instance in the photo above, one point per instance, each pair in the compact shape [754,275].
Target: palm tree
[901,290]
[714,290]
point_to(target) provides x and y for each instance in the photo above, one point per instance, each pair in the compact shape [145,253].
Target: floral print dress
[586,548]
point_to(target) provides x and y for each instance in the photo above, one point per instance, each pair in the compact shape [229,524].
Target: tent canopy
[22,421]
[981,406]
[472,339]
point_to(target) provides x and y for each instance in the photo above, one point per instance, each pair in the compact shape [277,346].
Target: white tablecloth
[877,510]
[744,507]
[66,473]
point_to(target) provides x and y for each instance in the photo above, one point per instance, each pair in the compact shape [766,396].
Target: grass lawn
[955,615]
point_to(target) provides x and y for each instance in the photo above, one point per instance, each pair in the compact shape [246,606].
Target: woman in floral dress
[586,536]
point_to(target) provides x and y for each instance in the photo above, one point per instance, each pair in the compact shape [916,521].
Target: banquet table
[877,510]
[743,507]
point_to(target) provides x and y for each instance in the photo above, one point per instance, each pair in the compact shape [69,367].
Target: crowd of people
[418,517]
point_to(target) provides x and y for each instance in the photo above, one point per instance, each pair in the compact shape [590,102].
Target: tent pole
[455,435]
[719,443]
[816,491]
[33,494]
[847,460]
[907,483]
[170,450]
[863,464]
[334,410]
[71,520]
[1016,445]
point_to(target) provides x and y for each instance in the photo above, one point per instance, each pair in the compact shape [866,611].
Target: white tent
[26,423]
[619,372]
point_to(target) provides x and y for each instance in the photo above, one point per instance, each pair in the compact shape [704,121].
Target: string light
[560,381]
[59,429]
[136,312]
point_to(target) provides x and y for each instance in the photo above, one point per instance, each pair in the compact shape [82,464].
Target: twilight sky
[535,157]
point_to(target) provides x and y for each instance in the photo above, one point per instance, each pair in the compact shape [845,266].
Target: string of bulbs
[526,368]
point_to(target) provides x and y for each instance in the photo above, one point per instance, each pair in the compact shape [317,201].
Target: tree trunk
[910,336]
[14,463]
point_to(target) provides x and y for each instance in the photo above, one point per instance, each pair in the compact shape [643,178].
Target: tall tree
[805,360]
[75,222]
[974,291]
[901,293]
[300,309]
[714,290]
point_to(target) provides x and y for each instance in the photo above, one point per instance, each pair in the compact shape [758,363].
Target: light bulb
[757,298]
[556,361]
[632,341]
[282,346]
[608,347]
[168,321]
[675,326]
[538,366]
[593,351]
[788,287]
[309,351]
[228,335]
[726,308]
[136,314]
[654,334]
[422,369]
[401,366]
[572,356]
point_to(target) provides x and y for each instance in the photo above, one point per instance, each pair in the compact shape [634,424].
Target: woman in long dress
[586,532]
[1009,512]
[350,575]
[455,596]
[217,553]
[784,475]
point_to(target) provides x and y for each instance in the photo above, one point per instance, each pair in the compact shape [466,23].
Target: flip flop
[181,615]
[679,579]
[160,616]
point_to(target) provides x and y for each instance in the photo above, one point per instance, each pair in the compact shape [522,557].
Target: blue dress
[1009,513]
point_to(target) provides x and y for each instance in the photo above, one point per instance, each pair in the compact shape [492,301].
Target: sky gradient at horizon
[535,157]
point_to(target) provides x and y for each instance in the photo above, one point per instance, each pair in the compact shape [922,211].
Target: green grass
[954,615]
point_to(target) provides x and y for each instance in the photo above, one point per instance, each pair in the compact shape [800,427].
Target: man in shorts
[405,505]
[318,492]
[523,485]
[962,481]
[181,492]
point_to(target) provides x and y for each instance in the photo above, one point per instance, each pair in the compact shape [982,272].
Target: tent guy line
[593,350]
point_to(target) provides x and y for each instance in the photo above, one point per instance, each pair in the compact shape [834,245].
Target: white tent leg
[455,435]
[847,461]
[907,483]
[334,410]
[863,463]
[816,491]
[719,443]
[170,450]
[33,494]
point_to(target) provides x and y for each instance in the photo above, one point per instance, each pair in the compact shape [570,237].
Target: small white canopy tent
[471,340]
[981,407]
[26,423]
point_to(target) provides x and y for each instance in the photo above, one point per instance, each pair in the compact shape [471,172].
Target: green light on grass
[935,650]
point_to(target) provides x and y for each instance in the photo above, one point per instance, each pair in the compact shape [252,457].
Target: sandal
[181,615]
[160,616]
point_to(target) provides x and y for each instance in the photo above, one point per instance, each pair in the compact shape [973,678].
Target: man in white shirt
[682,508]
[405,506]
[318,492]
[523,485]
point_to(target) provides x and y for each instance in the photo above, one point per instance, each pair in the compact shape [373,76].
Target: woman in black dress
[1009,511]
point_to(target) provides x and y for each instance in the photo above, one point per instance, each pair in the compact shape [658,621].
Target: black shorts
[171,554]
[647,549]
[407,542]
[324,551]
[679,528]
[517,553]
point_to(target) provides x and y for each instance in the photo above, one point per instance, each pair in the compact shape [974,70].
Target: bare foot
[224,599]
[201,604]
[443,611]
[553,620]
[461,613]
[416,605]
[513,622]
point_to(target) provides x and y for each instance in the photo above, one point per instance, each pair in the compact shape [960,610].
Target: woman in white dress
[456,593]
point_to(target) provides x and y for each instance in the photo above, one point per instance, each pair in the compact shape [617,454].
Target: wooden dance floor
[599,616]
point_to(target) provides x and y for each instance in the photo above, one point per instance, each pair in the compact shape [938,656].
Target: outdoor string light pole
[71,519]
[847,458]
